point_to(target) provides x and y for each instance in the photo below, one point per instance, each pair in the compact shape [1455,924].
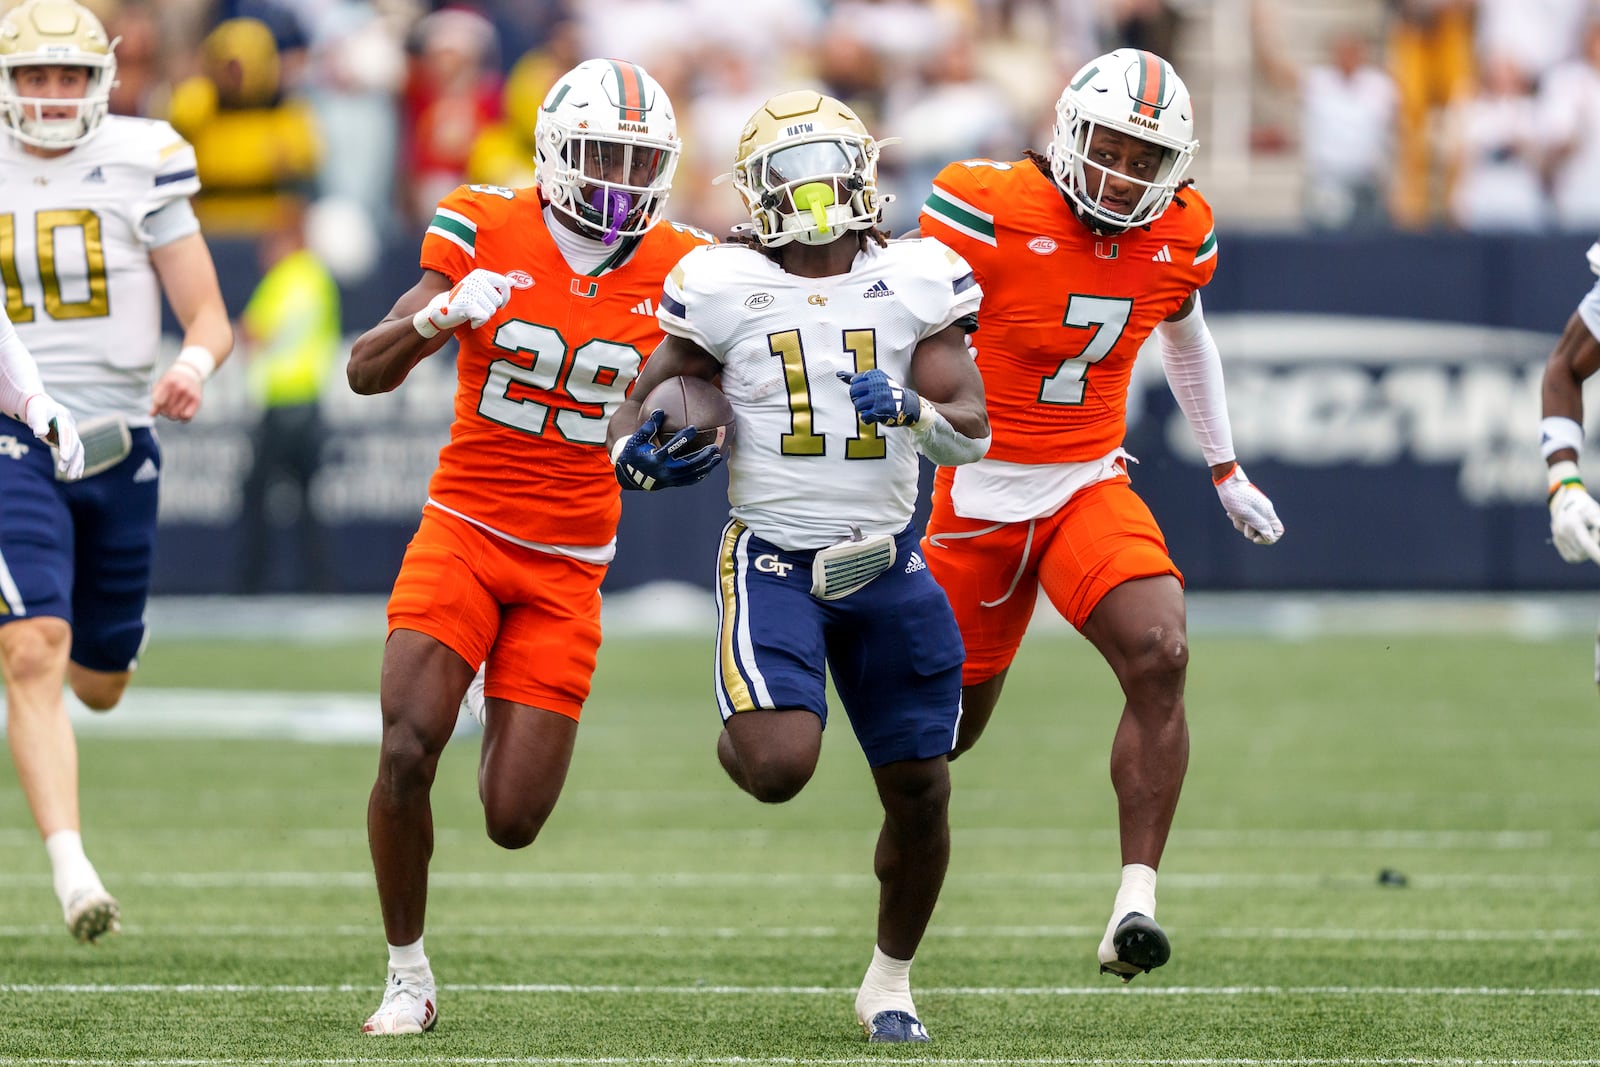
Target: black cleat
[896,1027]
[1141,947]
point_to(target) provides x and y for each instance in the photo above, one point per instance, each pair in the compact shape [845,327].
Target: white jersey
[802,466]
[1589,307]
[75,260]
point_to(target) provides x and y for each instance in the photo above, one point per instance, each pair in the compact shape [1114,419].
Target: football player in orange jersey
[1081,253]
[549,292]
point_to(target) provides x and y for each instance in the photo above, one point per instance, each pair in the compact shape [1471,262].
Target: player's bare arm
[672,358]
[1574,513]
[188,277]
[383,356]
[1574,360]
[943,372]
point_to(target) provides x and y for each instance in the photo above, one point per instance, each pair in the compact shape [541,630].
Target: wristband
[1563,474]
[198,360]
[1557,432]
[424,325]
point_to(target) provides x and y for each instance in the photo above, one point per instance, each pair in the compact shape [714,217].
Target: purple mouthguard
[620,204]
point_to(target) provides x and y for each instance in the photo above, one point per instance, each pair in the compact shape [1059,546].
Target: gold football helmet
[807,170]
[54,33]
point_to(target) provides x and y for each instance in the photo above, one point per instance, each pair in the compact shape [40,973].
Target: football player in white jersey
[95,226]
[843,356]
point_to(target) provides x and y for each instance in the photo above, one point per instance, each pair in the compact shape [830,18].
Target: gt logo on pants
[770,564]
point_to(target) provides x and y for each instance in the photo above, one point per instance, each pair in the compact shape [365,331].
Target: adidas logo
[1163,256]
[915,564]
[95,175]
[147,471]
[644,307]
[878,289]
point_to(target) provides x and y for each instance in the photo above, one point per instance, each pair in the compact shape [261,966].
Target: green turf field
[664,918]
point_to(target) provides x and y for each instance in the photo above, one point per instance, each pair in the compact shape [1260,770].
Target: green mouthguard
[815,197]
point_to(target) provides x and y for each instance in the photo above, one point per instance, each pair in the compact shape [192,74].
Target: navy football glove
[879,398]
[641,464]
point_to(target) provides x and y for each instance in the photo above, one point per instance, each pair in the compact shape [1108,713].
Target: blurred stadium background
[1404,189]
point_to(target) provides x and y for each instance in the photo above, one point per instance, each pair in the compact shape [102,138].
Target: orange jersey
[1064,311]
[537,384]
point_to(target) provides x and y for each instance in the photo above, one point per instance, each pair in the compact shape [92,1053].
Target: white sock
[70,869]
[887,987]
[408,957]
[1137,893]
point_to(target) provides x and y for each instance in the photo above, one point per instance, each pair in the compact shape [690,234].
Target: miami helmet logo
[1150,90]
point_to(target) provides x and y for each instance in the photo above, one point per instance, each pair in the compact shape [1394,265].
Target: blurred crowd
[1477,114]
[1482,115]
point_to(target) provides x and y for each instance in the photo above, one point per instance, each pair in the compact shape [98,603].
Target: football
[693,402]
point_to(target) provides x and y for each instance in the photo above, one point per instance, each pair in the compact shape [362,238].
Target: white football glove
[1575,523]
[1252,513]
[53,424]
[473,300]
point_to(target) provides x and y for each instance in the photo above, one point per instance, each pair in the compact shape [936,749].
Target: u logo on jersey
[1105,249]
[594,287]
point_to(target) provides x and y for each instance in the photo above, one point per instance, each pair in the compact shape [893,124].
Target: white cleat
[91,914]
[410,1005]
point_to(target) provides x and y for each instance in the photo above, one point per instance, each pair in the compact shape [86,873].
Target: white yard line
[1028,837]
[797,1061]
[624,881]
[810,933]
[679,609]
[564,989]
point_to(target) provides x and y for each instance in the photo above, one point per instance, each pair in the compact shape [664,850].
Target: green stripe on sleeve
[959,217]
[451,226]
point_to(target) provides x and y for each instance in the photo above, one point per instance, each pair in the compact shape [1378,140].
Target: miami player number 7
[1107,316]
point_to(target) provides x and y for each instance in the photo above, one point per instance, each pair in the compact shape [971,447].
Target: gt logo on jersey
[768,564]
[817,299]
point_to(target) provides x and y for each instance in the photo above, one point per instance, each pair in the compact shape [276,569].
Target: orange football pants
[533,616]
[992,572]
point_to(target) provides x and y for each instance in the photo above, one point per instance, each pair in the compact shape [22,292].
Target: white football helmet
[807,170]
[607,148]
[1134,93]
[54,33]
